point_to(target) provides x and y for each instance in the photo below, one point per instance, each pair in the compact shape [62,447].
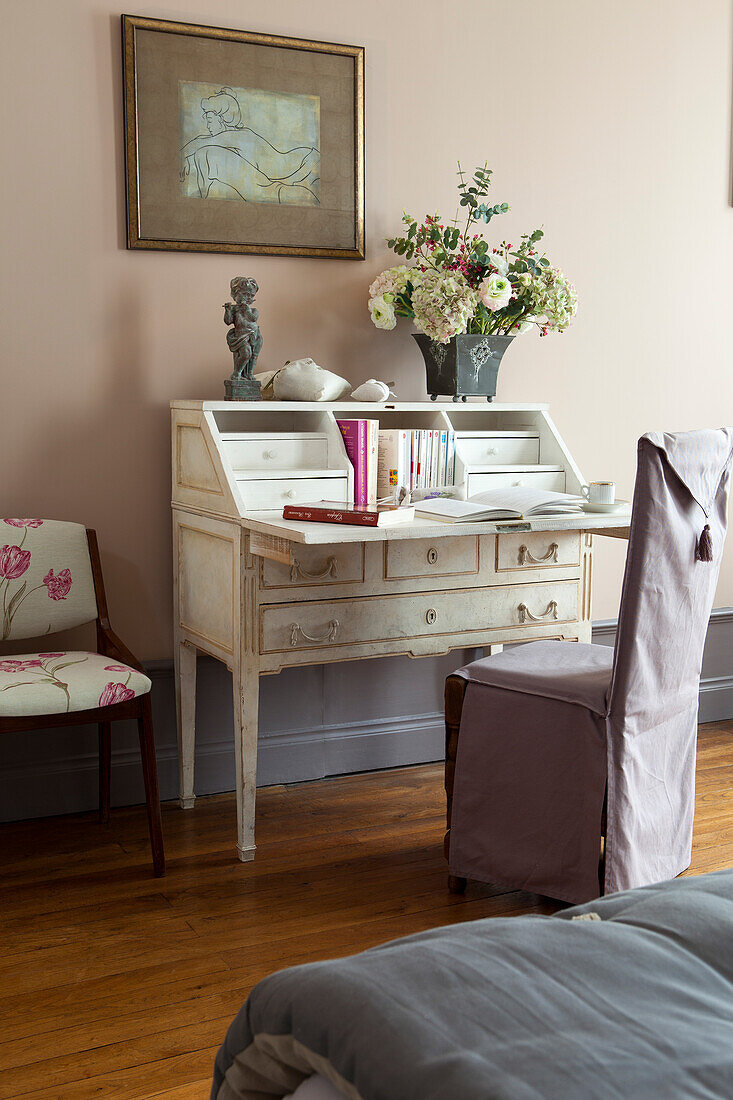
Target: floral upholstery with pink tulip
[46,585]
[46,579]
[51,580]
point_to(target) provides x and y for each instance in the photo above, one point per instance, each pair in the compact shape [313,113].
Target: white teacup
[600,492]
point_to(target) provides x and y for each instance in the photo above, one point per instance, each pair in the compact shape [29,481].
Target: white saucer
[617,506]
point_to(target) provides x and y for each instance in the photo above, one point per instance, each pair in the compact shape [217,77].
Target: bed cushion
[634,1004]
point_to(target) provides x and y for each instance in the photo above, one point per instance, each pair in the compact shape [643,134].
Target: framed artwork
[242,142]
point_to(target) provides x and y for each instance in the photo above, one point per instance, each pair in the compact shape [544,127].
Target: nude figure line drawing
[235,161]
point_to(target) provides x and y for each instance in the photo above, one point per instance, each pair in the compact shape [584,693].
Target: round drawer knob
[430,616]
[491,451]
[289,493]
[270,454]
[520,482]
[432,555]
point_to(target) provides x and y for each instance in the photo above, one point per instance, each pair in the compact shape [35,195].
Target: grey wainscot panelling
[324,720]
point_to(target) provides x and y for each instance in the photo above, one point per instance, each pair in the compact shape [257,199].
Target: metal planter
[467,366]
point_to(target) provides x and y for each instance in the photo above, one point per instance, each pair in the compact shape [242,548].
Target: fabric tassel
[704,550]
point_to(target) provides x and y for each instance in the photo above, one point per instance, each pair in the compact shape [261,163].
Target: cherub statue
[244,340]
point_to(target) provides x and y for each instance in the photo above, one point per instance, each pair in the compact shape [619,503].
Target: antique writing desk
[261,593]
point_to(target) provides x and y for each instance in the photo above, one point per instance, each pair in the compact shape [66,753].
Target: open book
[497,504]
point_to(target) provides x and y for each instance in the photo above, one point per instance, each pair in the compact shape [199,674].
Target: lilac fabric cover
[682,484]
[547,726]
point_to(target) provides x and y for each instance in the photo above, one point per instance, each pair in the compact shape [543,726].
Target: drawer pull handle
[270,454]
[549,613]
[297,570]
[526,557]
[432,555]
[289,493]
[430,616]
[328,635]
[491,451]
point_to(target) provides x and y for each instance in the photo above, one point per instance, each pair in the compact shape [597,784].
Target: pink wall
[610,125]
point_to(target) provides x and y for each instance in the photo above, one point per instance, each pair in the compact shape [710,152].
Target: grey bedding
[637,1004]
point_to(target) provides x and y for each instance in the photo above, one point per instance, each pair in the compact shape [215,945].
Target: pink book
[355,441]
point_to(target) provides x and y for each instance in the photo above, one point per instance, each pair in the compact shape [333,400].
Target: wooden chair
[51,580]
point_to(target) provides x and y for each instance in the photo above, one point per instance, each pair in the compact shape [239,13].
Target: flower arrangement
[458,283]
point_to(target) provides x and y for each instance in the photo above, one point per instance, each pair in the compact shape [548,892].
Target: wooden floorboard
[114,984]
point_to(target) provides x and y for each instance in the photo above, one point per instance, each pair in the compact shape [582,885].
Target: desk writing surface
[315,534]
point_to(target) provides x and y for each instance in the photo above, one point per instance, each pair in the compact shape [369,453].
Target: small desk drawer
[531,479]
[331,624]
[316,565]
[537,550]
[486,450]
[276,492]
[406,558]
[277,452]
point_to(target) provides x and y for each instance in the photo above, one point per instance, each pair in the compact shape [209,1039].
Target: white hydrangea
[443,304]
[554,301]
[392,281]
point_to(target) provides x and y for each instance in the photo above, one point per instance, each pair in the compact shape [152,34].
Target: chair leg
[105,770]
[455,687]
[150,775]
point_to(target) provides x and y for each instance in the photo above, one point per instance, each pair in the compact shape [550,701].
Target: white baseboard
[307,732]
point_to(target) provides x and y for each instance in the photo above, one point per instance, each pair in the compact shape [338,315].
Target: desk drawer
[273,452]
[331,624]
[537,550]
[453,557]
[276,492]
[531,479]
[316,565]
[484,450]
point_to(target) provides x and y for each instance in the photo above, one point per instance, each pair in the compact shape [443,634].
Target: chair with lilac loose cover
[51,580]
[554,746]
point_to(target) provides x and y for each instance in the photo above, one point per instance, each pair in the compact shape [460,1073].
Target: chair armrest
[111,646]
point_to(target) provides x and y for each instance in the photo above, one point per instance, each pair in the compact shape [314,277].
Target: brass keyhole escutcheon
[431,616]
[432,555]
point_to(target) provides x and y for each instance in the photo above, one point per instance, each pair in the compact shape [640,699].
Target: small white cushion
[56,682]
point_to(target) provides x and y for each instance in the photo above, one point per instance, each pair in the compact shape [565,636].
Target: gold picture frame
[242,142]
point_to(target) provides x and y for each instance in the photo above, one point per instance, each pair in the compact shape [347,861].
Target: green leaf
[16,599]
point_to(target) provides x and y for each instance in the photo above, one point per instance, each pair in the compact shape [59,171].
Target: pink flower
[115,693]
[18,666]
[116,668]
[13,562]
[24,522]
[58,586]
[46,656]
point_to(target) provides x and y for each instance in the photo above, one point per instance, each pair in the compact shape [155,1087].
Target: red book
[355,441]
[357,515]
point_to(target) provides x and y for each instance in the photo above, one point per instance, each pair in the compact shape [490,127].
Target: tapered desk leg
[185,672]
[246,684]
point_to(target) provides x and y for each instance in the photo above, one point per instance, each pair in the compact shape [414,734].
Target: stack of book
[418,459]
[361,439]
[385,459]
